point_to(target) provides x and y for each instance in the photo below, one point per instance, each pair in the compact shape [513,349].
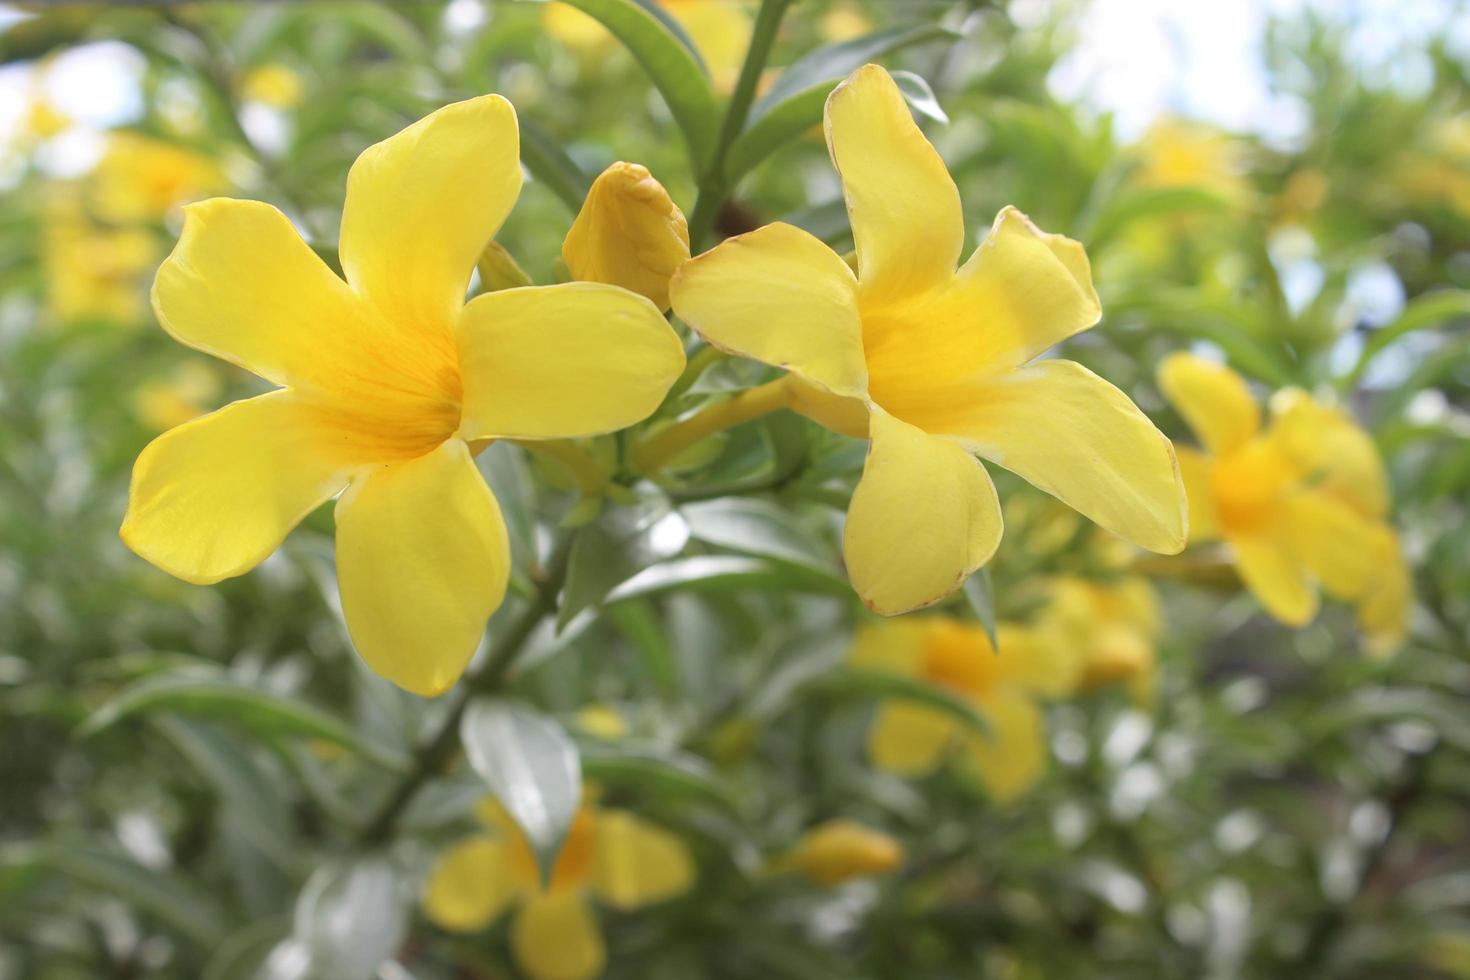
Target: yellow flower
[911,739]
[141,179]
[385,380]
[1177,153]
[1301,502]
[177,398]
[843,21]
[272,84]
[629,233]
[1112,628]
[719,30]
[840,850]
[623,860]
[936,359]
[92,271]
[600,721]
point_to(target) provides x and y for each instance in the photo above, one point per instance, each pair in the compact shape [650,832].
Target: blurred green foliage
[194,779]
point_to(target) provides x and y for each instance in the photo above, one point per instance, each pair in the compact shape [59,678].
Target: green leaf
[980,591]
[242,954]
[639,622]
[551,165]
[756,527]
[726,572]
[657,769]
[171,900]
[1443,713]
[351,917]
[220,697]
[248,798]
[1139,203]
[674,69]
[878,684]
[920,96]
[1422,313]
[615,547]
[531,765]
[795,102]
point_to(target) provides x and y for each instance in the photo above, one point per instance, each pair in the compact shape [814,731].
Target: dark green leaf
[351,917]
[658,769]
[980,591]
[551,165]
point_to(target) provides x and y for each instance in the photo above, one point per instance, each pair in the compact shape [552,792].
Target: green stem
[435,754]
[713,186]
[655,452]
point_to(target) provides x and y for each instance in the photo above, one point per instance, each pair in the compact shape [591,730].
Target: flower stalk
[658,450]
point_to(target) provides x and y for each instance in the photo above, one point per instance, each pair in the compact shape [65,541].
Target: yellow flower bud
[629,233]
[841,850]
[274,85]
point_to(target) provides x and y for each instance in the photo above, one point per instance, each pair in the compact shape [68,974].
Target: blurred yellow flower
[843,21]
[1178,153]
[909,738]
[385,381]
[1439,172]
[612,854]
[1301,502]
[936,359]
[43,120]
[1111,627]
[602,722]
[142,179]
[92,271]
[840,850]
[184,394]
[719,30]
[274,84]
[629,233]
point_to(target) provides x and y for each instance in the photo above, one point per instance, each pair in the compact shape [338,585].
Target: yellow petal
[636,863]
[470,885]
[422,204]
[1194,469]
[1332,540]
[1021,292]
[629,233]
[720,30]
[1276,577]
[893,645]
[923,517]
[213,497]
[1213,399]
[780,296]
[909,739]
[555,937]
[840,850]
[1039,660]
[1383,612]
[847,416]
[1331,450]
[243,286]
[1013,757]
[1070,433]
[904,208]
[552,362]
[422,559]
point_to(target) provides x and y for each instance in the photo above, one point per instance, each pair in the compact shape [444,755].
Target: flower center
[958,657]
[1247,484]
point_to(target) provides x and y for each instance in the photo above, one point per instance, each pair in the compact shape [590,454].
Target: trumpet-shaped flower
[93,271]
[840,850]
[1301,501]
[385,380]
[628,233]
[623,860]
[1110,627]
[911,739]
[939,362]
[140,178]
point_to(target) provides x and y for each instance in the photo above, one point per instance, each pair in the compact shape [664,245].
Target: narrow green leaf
[531,765]
[639,622]
[920,96]
[878,684]
[351,917]
[242,954]
[980,591]
[1422,313]
[657,769]
[674,69]
[725,572]
[615,547]
[1139,203]
[171,900]
[220,697]
[551,165]
[795,102]
[756,527]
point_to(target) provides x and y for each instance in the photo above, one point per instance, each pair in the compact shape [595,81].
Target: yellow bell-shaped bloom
[841,850]
[940,360]
[1300,501]
[911,739]
[1179,153]
[93,271]
[612,854]
[1112,626]
[629,233]
[385,379]
[140,178]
